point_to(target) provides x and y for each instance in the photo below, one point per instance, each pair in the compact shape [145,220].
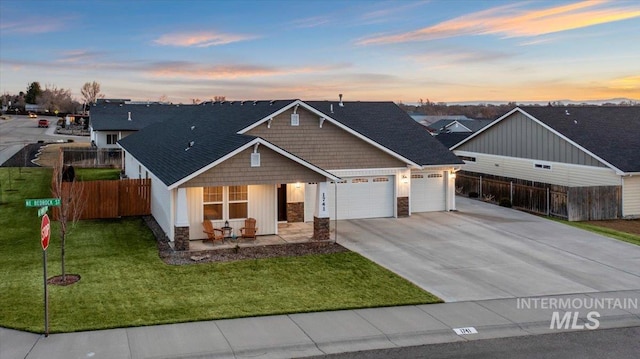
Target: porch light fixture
[405,179]
[297,184]
[452,174]
[226,224]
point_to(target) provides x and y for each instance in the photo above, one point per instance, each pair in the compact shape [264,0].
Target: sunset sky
[446,51]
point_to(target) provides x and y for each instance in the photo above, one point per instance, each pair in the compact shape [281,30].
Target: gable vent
[295,119]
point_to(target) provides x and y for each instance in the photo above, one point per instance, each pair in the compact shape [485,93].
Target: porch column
[321,222]
[450,190]
[181,228]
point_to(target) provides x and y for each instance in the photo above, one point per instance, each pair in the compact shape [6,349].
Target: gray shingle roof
[161,146]
[390,126]
[114,116]
[611,133]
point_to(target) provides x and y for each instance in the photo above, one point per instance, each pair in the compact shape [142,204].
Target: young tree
[54,99]
[90,92]
[72,203]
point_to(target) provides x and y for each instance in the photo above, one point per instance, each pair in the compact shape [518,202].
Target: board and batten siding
[560,173]
[631,196]
[329,147]
[262,206]
[520,136]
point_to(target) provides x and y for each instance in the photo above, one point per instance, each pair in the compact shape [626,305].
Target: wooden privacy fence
[92,157]
[113,199]
[572,203]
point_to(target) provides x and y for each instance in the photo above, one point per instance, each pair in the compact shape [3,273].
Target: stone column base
[403,206]
[295,212]
[181,238]
[321,229]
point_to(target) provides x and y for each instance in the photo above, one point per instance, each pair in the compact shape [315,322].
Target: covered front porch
[288,233]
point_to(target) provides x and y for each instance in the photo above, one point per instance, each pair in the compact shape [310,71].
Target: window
[467,158]
[381,179]
[112,139]
[359,180]
[434,175]
[212,199]
[225,202]
[417,176]
[238,202]
[543,166]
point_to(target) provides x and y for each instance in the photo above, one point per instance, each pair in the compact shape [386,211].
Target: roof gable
[607,134]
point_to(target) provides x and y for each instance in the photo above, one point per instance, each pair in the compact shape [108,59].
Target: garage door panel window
[225,202]
[359,180]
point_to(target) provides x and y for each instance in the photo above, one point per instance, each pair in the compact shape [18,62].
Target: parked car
[32,115]
[43,123]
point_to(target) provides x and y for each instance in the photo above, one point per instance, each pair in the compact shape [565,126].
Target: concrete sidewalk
[300,335]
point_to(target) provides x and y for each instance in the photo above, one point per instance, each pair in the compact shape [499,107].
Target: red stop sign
[45,232]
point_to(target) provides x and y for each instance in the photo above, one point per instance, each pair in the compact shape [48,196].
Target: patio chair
[213,234]
[249,230]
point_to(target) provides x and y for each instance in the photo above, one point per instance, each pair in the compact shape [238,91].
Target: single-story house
[109,122]
[286,161]
[580,146]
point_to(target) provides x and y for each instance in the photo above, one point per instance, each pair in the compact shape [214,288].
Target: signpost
[45,235]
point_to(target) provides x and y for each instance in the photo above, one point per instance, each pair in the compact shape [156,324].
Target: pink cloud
[200,39]
[509,21]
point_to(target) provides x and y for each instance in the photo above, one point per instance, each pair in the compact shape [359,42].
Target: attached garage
[427,191]
[358,197]
[631,196]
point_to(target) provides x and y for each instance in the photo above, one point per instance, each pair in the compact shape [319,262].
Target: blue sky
[367,50]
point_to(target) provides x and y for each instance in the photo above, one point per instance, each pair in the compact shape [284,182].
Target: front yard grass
[124,283]
[607,232]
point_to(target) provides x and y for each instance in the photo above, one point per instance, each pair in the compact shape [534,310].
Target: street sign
[42,211]
[54,202]
[45,232]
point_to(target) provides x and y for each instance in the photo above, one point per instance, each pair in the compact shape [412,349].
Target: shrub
[505,202]
[473,194]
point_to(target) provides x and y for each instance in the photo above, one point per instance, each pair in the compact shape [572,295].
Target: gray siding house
[565,146]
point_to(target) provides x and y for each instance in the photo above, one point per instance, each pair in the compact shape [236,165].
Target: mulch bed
[169,256]
[622,225]
[69,279]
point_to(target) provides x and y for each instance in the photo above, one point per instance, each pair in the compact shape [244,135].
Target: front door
[282,202]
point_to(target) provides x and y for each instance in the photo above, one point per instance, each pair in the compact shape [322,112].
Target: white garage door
[358,197]
[631,196]
[427,192]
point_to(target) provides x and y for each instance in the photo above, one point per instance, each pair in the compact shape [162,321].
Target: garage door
[631,196]
[427,192]
[358,197]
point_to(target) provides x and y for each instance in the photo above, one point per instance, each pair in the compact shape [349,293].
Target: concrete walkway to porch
[288,233]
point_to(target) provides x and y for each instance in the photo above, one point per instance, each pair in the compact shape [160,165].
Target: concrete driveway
[483,251]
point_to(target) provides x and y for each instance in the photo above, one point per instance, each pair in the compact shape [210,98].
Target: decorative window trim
[225,201]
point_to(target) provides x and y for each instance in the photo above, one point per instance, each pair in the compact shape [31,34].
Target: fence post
[480,191]
[511,192]
[548,202]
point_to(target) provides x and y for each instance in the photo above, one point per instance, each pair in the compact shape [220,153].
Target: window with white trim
[212,202]
[112,138]
[238,202]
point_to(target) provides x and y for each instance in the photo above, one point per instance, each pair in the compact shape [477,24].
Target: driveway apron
[483,251]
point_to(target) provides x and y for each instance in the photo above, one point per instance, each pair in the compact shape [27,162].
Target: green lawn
[96,174]
[124,283]
[607,232]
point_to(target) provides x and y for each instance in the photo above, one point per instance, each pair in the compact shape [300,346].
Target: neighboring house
[461,124]
[567,146]
[286,160]
[114,119]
